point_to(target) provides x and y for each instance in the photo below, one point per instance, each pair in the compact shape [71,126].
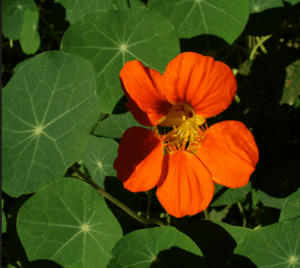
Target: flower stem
[243,214]
[115,201]
[259,44]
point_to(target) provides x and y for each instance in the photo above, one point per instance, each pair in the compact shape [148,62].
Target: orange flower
[184,162]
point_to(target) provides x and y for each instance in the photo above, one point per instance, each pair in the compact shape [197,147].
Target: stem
[206,214]
[116,201]
[149,204]
[243,214]
[259,44]
[54,34]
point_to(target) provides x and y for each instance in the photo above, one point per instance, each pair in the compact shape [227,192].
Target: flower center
[186,135]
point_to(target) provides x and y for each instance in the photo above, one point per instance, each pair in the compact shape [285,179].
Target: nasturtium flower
[184,162]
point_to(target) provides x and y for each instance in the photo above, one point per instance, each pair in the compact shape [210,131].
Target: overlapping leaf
[225,19]
[68,222]
[13,16]
[156,247]
[291,207]
[115,125]
[99,155]
[257,6]
[29,37]
[123,4]
[110,38]
[276,245]
[75,9]
[49,107]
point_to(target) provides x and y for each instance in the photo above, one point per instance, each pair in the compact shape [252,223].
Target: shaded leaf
[156,247]
[75,9]
[3,218]
[99,155]
[225,19]
[13,16]
[291,207]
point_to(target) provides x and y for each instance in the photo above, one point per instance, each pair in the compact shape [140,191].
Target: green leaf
[49,107]
[291,90]
[276,245]
[124,4]
[115,125]
[214,240]
[99,155]
[293,2]
[257,6]
[225,19]
[68,222]
[291,207]
[3,219]
[226,196]
[29,37]
[156,247]
[75,9]
[110,38]
[13,16]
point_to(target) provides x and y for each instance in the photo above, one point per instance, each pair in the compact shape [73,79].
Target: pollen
[186,135]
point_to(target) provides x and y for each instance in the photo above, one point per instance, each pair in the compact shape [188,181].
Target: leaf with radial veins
[49,107]
[99,155]
[110,38]
[156,247]
[291,207]
[68,222]
[76,8]
[13,16]
[225,19]
[257,6]
[276,245]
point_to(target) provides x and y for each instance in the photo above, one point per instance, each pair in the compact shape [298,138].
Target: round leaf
[276,245]
[261,5]
[156,247]
[291,207]
[68,222]
[110,38]
[49,107]
[13,16]
[225,19]
[75,9]
[99,155]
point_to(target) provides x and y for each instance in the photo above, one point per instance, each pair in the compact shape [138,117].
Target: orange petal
[139,161]
[230,153]
[187,187]
[209,86]
[143,88]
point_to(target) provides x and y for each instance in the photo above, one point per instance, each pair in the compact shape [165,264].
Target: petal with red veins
[230,153]
[143,88]
[187,187]
[209,86]
[140,158]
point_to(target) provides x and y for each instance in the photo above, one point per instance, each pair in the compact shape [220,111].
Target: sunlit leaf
[276,245]
[110,38]
[99,155]
[225,19]
[49,107]
[68,222]
[75,9]
[29,37]
[13,16]
[156,247]
[291,207]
